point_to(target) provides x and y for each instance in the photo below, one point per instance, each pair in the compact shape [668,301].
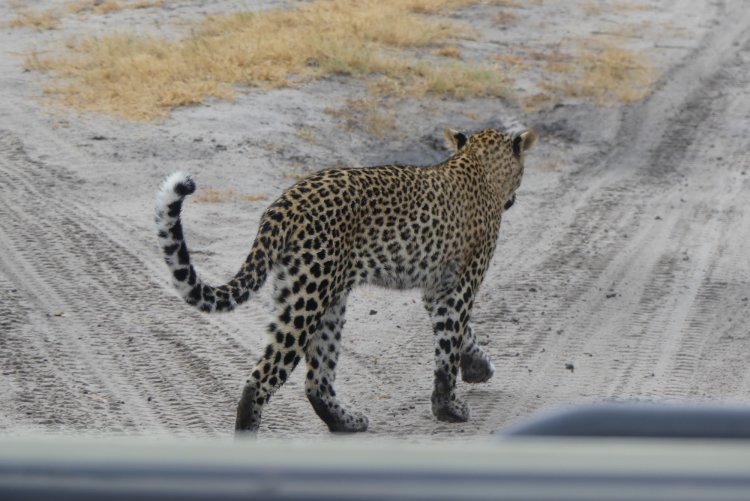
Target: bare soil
[622,271]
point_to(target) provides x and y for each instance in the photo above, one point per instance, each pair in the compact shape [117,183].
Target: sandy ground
[624,256]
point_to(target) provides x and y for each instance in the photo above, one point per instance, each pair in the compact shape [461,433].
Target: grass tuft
[51,18]
[606,73]
[214,196]
[40,20]
[106,6]
[370,114]
[449,51]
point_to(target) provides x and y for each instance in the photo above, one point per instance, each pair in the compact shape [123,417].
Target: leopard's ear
[524,142]
[455,140]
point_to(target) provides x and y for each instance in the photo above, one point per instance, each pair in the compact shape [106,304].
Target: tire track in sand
[88,366]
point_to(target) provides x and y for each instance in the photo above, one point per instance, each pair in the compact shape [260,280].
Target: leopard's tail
[189,285]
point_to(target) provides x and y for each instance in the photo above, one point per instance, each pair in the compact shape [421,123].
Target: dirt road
[624,259]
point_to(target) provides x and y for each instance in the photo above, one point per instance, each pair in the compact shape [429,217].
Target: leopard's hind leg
[322,355]
[298,315]
[476,366]
[281,356]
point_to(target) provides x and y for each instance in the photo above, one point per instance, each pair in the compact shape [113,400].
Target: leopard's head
[502,154]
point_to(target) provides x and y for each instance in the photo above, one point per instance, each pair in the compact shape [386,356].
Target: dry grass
[370,114]
[624,31]
[395,48]
[378,120]
[40,20]
[449,51]
[511,3]
[105,6]
[437,6]
[590,68]
[51,18]
[594,8]
[141,77]
[460,80]
[214,196]
[608,74]
[511,62]
[541,100]
[505,17]
[306,133]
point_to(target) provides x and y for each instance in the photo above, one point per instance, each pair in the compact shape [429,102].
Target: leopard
[433,228]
